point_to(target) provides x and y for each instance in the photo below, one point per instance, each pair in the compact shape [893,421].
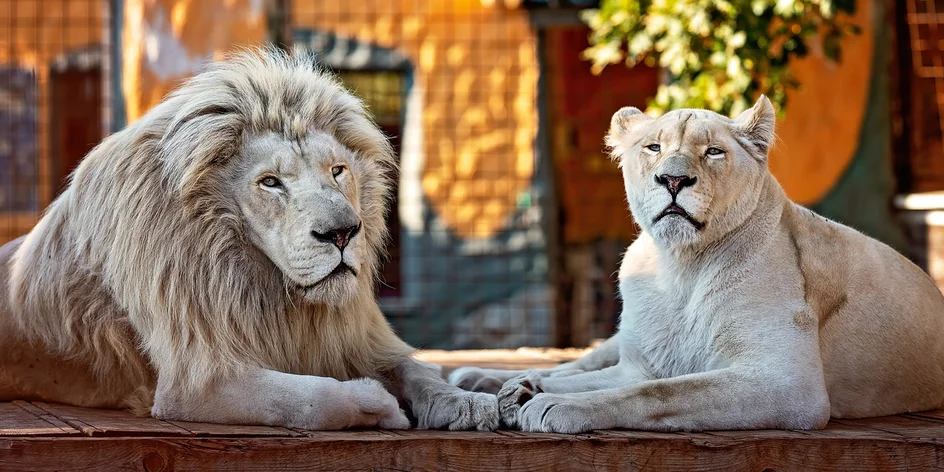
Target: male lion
[741,309]
[216,260]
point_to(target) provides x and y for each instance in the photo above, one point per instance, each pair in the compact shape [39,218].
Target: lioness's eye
[336,170]
[271,182]
[713,151]
[654,147]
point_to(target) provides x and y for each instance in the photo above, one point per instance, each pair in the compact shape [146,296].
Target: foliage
[720,54]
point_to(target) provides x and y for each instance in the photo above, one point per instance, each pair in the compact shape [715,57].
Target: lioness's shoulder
[808,227]
[831,249]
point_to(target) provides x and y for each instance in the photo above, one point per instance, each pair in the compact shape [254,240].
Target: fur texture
[194,263]
[741,309]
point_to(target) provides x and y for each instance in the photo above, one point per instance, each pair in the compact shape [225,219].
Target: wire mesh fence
[925,35]
[52,108]
[509,219]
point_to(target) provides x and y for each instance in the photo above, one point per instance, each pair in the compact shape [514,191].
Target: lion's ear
[626,128]
[200,136]
[756,125]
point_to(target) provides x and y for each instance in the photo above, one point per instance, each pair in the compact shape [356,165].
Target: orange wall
[820,134]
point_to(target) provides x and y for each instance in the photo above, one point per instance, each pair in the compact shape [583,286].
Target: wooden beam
[431,451]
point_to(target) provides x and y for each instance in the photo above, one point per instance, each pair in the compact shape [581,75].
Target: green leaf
[720,53]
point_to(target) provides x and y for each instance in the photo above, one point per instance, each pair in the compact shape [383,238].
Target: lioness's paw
[515,393]
[461,411]
[550,413]
[474,379]
[375,407]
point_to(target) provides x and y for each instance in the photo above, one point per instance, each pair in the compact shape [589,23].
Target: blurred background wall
[509,220]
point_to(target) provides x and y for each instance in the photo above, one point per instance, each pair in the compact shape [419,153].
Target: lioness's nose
[675,183]
[337,236]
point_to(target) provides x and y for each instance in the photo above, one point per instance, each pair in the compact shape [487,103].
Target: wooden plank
[852,430]
[554,436]
[414,434]
[431,451]
[761,434]
[521,358]
[22,419]
[931,415]
[638,435]
[96,422]
[213,429]
[45,415]
[357,434]
[908,428]
[709,440]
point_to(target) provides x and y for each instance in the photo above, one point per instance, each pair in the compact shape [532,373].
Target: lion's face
[692,175]
[299,202]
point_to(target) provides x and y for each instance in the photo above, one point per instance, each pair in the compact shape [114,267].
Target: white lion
[216,261]
[741,309]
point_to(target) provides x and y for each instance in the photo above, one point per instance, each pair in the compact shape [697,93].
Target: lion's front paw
[375,407]
[550,413]
[461,411]
[515,393]
[474,379]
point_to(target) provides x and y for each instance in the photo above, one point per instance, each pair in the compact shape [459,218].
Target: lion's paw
[462,411]
[516,393]
[550,413]
[474,379]
[375,406]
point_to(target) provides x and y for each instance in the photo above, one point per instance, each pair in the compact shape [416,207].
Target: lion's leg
[491,380]
[731,398]
[267,397]
[519,390]
[438,405]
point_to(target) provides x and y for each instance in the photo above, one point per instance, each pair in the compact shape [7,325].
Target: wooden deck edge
[470,451]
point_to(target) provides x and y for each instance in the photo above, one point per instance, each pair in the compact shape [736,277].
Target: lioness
[216,261]
[741,309]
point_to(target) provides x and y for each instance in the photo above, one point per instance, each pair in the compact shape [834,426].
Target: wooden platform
[36,436]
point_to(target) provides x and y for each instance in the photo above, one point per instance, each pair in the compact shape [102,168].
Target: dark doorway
[382,92]
[75,104]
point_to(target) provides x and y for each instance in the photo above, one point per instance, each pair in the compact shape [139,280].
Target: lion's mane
[141,265]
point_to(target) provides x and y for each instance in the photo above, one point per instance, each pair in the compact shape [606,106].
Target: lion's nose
[675,183]
[340,237]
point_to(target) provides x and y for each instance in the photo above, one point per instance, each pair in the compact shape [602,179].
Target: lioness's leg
[517,391]
[731,398]
[267,397]
[491,380]
[436,404]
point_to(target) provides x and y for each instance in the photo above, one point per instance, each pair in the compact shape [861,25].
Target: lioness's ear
[756,125]
[625,129]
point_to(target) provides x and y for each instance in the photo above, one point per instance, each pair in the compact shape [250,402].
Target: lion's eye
[714,152]
[336,170]
[654,147]
[271,182]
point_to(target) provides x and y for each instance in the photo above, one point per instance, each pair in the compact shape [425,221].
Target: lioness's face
[299,201]
[690,173]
